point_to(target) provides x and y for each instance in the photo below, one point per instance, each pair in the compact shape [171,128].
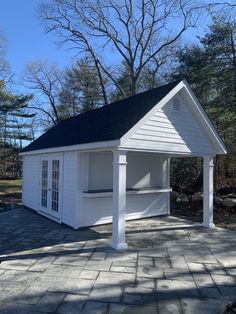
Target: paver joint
[168,268]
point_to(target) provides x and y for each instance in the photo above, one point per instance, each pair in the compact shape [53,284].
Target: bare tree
[224,9]
[140,33]
[46,81]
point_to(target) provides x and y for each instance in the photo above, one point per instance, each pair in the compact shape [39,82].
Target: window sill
[107,193]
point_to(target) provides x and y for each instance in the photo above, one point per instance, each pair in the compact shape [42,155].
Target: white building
[111,164]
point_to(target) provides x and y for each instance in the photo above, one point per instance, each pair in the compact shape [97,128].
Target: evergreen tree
[210,68]
[148,79]
[81,89]
[14,129]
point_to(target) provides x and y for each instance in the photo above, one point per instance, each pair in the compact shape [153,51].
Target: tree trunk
[234,64]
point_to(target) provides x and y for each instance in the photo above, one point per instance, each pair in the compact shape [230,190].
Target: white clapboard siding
[142,171]
[31,181]
[69,189]
[100,170]
[95,211]
[172,129]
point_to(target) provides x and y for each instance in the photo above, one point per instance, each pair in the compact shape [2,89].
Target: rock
[229,202]
[178,200]
[174,195]
[183,198]
[189,190]
[197,197]
[218,200]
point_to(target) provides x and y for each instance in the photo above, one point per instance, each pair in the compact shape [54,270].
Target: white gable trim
[220,146]
[81,147]
[160,104]
[211,132]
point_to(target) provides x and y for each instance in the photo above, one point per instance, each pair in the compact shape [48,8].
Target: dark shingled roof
[107,123]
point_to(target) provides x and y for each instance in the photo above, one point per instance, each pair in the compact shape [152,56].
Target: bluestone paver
[171,266]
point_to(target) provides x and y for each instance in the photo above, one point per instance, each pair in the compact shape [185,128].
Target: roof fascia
[219,144]
[78,147]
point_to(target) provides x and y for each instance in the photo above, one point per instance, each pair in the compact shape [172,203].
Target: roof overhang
[81,147]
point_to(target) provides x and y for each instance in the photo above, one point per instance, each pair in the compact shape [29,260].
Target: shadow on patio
[169,267]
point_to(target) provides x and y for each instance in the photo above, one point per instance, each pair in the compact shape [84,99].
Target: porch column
[208,167]
[119,200]
[166,180]
[166,173]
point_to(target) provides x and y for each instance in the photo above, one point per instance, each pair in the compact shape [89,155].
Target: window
[44,195]
[55,185]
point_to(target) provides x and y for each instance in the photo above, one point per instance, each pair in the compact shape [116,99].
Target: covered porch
[127,178]
[119,194]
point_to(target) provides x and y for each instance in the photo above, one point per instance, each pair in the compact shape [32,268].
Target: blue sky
[26,40]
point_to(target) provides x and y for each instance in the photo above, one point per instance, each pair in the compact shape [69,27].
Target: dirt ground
[10,194]
[224,217]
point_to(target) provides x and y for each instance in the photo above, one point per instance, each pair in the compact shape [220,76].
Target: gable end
[175,125]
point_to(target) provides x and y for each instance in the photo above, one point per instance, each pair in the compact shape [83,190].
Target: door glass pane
[44,192]
[55,185]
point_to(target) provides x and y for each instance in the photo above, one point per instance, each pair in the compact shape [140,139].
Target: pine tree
[81,89]
[210,68]
[13,130]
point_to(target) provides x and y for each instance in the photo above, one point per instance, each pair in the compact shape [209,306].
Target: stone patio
[172,266]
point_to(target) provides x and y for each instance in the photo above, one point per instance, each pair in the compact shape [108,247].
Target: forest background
[116,49]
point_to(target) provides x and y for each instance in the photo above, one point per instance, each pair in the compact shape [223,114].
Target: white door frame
[47,210]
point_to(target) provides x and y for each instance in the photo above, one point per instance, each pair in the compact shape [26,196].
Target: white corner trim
[82,147]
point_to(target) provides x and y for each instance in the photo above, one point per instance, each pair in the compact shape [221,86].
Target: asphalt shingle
[107,123]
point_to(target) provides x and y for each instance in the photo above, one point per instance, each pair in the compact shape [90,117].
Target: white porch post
[166,173]
[166,179]
[119,200]
[208,168]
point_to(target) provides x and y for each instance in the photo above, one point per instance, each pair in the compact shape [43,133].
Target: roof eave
[78,147]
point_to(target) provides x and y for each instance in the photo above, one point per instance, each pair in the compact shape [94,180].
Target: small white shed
[111,164]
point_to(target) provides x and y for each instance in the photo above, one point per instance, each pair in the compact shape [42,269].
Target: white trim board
[131,216]
[134,192]
[81,147]
[205,118]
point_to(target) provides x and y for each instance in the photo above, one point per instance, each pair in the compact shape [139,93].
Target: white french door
[51,173]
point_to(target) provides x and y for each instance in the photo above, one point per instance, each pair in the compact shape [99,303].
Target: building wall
[31,181]
[100,170]
[142,171]
[173,128]
[83,171]
[99,210]
[31,191]
[69,188]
